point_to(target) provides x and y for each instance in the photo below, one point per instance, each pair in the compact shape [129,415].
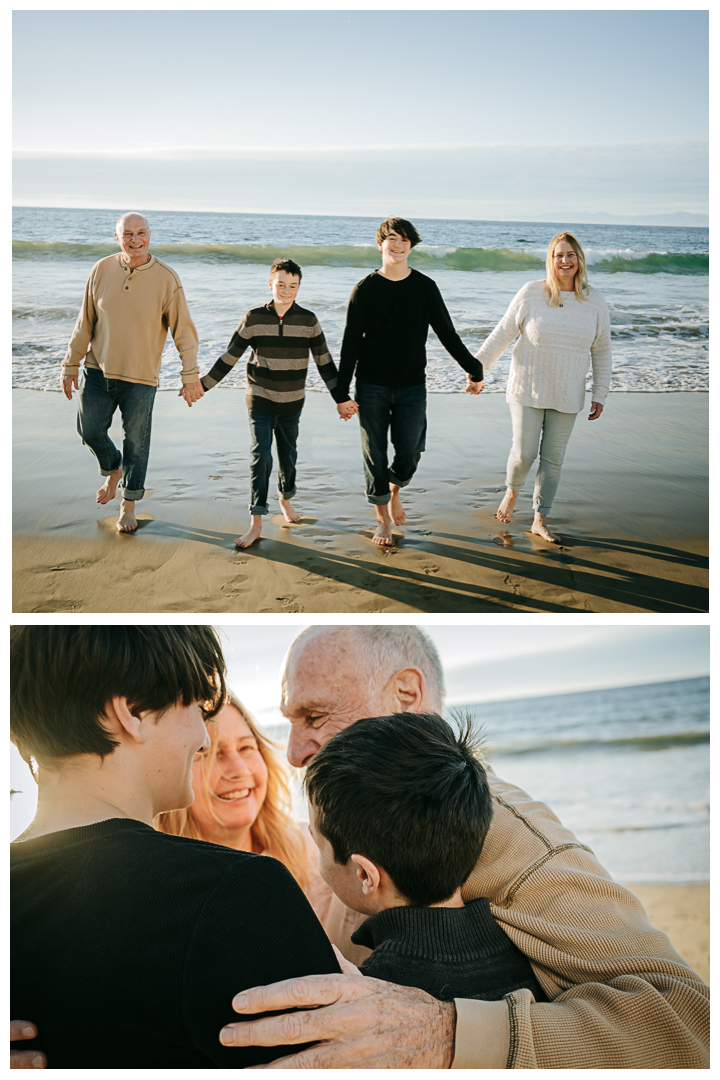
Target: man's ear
[368,874]
[405,692]
[118,709]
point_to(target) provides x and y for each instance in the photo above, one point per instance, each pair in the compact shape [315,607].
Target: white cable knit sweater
[556,346]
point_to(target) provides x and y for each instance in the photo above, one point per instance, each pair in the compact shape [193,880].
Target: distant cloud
[494,180]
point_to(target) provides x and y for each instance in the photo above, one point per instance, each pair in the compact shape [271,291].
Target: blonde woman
[242,801]
[564,328]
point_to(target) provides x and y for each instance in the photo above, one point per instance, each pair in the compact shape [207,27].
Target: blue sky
[458,113]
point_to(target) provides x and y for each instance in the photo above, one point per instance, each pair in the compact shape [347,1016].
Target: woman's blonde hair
[552,285]
[273,832]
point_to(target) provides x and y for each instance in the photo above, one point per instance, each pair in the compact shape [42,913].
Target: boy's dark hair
[406,792]
[403,228]
[288,266]
[62,677]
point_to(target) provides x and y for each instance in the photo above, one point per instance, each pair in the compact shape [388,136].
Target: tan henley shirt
[621,997]
[124,319]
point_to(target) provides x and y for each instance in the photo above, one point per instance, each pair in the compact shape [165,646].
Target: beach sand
[631,510]
[683,913]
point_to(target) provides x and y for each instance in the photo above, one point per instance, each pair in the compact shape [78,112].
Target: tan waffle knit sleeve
[621,997]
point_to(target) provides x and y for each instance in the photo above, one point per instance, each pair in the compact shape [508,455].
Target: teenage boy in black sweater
[399,809]
[386,330]
[113,923]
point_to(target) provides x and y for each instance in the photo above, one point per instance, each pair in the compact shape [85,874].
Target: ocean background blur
[655,280]
[626,769]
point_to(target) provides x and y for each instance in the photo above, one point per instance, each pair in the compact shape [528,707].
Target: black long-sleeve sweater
[448,952]
[386,333]
[128,945]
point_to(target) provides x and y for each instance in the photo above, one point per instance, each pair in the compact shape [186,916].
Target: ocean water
[655,280]
[626,769]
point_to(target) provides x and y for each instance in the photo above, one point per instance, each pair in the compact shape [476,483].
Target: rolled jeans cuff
[133,496]
[394,479]
[287,494]
[379,500]
[109,472]
[258,511]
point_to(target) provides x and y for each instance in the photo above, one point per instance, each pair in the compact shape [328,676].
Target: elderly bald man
[131,301]
[620,996]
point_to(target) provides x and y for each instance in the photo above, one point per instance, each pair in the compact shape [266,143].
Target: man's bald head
[378,652]
[130,219]
[335,675]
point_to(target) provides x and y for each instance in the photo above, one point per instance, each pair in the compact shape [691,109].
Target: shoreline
[631,510]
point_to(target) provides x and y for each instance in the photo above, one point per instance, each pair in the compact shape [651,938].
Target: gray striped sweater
[277,368]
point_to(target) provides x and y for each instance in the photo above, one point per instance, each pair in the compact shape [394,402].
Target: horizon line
[363,147]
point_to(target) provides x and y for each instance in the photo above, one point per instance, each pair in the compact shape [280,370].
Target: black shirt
[128,945]
[386,332]
[448,952]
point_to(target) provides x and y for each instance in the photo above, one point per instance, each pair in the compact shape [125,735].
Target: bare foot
[107,491]
[127,521]
[383,534]
[288,513]
[506,507]
[539,528]
[252,534]
[396,507]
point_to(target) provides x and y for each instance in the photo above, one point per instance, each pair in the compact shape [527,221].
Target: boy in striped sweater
[281,335]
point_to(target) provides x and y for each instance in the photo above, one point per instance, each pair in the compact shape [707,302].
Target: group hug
[167,912]
[132,299]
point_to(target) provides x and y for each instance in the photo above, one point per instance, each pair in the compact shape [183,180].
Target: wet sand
[683,913]
[631,510]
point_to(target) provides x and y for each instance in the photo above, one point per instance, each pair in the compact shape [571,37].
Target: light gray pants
[528,425]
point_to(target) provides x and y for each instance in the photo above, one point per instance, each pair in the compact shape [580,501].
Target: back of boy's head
[398,225]
[288,266]
[407,793]
[62,677]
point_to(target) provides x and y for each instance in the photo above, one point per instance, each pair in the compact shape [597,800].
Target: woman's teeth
[230,796]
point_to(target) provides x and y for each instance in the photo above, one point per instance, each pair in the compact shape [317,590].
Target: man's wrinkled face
[133,236]
[325,690]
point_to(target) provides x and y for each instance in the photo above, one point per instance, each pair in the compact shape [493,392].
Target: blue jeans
[262,428]
[98,398]
[403,411]
[528,425]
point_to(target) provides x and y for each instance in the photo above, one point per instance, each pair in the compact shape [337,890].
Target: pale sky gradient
[458,113]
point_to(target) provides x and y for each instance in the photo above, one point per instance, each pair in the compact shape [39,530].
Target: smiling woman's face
[231,799]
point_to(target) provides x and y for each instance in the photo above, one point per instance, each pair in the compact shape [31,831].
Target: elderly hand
[346,409]
[25,1059]
[595,410]
[68,381]
[363,1023]
[192,391]
[474,387]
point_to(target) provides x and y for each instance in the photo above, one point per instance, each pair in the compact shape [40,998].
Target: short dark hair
[62,677]
[288,266]
[406,792]
[403,228]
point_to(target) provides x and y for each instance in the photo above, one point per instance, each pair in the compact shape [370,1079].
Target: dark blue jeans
[262,428]
[403,412]
[98,398]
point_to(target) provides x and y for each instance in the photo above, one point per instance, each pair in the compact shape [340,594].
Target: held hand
[67,382]
[192,392]
[595,410]
[363,1023]
[474,387]
[25,1059]
[347,409]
